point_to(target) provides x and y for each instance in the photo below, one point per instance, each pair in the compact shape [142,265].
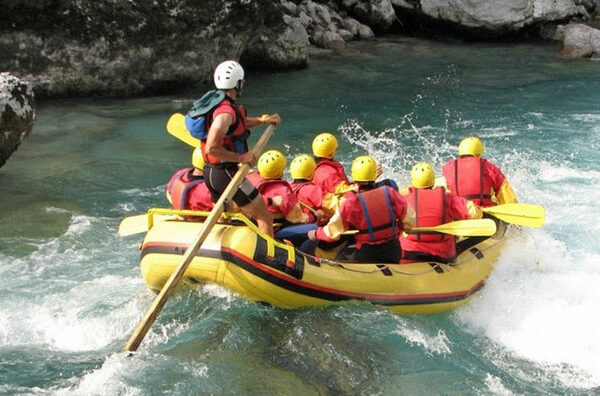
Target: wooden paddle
[176,127]
[311,210]
[526,215]
[150,316]
[477,227]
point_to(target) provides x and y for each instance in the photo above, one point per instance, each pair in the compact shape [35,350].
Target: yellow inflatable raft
[237,256]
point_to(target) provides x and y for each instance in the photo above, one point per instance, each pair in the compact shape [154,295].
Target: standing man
[433,206]
[379,214]
[226,145]
[475,178]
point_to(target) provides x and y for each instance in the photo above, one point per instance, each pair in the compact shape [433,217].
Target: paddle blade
[526,215]
[137,224]
[176,127]
[478,227]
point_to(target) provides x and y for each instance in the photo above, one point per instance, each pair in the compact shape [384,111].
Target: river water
[72,292]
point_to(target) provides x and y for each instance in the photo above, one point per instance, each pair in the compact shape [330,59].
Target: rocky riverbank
[125,48]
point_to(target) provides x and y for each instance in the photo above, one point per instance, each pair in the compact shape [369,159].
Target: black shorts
[388,252]
[217,178]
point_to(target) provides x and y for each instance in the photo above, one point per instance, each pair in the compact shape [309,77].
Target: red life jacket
[236,138]
[261,185]
[430,210]
[466,178]
[255,178]
[179,189]
[297,187]
[379,222]
[339,170]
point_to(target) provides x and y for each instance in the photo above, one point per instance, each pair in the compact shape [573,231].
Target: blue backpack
[195,119]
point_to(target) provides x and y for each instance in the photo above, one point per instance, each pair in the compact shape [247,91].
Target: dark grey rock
[365,32]
[16,114]
[286,49]
[125,48]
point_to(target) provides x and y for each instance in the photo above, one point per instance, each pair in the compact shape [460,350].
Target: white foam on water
[497,132]
[138,192]
[587,117]
[540,299]
[119,372]
[495,386]
[52,209]
[126,207]
[432,344]
[88,316]
[216,290]
[108,379]
[79,224]
[64,295]
[539,303]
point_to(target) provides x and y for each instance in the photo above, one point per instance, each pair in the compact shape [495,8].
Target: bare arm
[252,122]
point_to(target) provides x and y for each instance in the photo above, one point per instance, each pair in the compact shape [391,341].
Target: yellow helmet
[198,159]
[470,146]
[422,175]
[303,167]
[324,145]
[271,164]
[364,169]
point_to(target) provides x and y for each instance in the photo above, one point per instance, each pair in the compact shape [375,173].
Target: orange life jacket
[430,210]
[379,222]
[179,189]
[236,138]
[466,178]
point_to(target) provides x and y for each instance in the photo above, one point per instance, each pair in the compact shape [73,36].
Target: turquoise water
[73,293]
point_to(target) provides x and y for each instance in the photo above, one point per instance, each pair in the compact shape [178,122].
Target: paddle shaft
[311,210]
[142,329]
[478,227]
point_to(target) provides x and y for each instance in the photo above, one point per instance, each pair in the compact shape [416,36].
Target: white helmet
[227,75]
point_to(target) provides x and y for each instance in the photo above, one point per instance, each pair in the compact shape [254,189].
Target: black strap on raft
[419,256]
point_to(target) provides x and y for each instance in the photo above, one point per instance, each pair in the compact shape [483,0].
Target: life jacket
[199,119]
[298,185]
[466,178]
[179,189]
[255,178]
[379,223]
[430,210]
[339,169]
[261,185]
